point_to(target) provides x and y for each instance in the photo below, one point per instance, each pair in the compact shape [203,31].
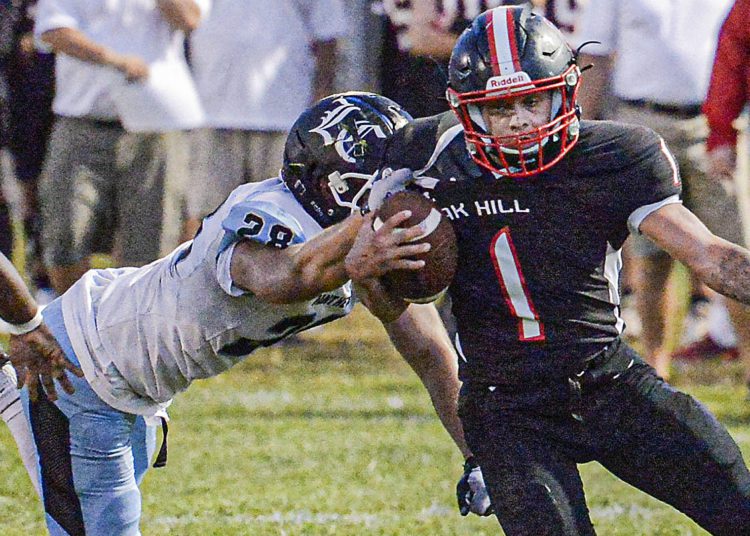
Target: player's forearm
[17,306]
[182,15]
[726,270]
[299,272]
[74,43]
[381,303]
[319,263]
[421,339]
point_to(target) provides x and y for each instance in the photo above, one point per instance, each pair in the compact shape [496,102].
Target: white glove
[472,493]
[386,185]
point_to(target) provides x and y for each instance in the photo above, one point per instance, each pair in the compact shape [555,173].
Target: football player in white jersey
[269,262]
[30,341]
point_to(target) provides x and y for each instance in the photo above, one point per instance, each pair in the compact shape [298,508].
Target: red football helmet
[510,52]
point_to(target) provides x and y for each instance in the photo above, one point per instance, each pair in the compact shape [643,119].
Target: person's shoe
[705,348]
[695,325]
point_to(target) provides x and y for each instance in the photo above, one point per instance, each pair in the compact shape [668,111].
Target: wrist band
[26,327]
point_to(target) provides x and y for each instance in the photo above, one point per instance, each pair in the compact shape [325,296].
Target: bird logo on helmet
[508,53]
[334,149]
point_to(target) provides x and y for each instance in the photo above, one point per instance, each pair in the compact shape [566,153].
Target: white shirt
[134,27]
[664,48]
[252,60]
[144,334]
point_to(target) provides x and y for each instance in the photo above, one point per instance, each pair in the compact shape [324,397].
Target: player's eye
[500,109]
[532,102]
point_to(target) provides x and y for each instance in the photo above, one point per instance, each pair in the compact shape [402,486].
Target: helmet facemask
[348,190]
[526,153]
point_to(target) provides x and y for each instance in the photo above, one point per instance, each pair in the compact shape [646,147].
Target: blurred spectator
[121,83]
[257,66]
[10,14]
[728,94]
[418,40]
[30,78]
[659,55]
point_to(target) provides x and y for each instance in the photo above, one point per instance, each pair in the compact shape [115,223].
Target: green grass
[337,436]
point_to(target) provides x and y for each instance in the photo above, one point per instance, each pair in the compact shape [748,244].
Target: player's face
[516,115]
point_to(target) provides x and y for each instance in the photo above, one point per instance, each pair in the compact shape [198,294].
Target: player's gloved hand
[386,185]
[471,492]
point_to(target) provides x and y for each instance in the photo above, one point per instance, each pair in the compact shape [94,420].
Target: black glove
[471,492]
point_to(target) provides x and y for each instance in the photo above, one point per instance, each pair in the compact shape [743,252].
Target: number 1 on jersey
[513,286]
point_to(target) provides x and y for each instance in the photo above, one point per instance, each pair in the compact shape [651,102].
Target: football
[426,284]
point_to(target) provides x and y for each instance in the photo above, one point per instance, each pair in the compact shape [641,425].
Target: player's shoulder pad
[263,221]
[412,145]
[619,145]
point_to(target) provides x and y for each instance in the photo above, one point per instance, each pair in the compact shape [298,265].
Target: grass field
[338,437]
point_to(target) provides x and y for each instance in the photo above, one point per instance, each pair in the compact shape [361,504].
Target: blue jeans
[92,457]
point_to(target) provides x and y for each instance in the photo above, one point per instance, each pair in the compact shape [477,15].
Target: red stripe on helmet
[493,47]
[510,21]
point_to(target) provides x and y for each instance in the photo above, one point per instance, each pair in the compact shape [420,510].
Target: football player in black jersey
[541,203]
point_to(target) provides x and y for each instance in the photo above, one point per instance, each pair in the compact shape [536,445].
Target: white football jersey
[144,334]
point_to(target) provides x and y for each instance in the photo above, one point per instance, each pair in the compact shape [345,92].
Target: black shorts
[621,414]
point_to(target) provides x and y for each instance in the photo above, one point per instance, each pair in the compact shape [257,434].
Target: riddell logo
[508,81]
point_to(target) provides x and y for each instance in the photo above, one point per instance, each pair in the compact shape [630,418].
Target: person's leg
[740,315]
[31,95]
[717,206]
[264,154]
[176,183]
[6,226]
[653,268]
[11,410]
[535,487]
[143,440]
[87,456]
[75,194]
[217,164]
[667,444]
[141,174]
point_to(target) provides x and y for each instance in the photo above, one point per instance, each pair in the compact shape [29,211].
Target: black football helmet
[333,152]
[510,52]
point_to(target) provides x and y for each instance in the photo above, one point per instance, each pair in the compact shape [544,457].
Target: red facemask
[527,153]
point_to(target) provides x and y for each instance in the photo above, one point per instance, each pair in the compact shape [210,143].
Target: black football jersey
[536,292]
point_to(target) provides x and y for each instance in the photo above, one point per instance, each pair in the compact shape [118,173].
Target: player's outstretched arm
[722,265]
[420,337]
[34,352]
[303,271]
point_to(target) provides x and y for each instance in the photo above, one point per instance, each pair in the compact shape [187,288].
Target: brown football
[426,284]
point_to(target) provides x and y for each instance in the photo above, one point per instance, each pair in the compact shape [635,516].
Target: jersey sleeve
[651,181]
[259,221]
[54,14]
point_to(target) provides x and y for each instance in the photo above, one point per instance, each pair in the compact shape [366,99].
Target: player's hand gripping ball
[426,284]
